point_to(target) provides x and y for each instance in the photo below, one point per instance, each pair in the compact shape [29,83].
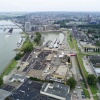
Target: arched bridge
[11,26]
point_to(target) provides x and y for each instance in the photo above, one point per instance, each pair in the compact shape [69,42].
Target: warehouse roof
[4,94]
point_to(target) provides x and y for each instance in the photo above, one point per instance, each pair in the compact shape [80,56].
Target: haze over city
[49,5]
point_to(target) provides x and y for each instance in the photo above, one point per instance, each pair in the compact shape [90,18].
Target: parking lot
[39,66]
[37,63]
[43,54]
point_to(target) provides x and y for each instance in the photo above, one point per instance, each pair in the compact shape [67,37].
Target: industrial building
[17,77]
[95,63]
[56,90]
[4,94]
[60,73]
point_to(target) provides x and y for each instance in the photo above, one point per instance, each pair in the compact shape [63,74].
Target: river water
[7,45]
[52,36]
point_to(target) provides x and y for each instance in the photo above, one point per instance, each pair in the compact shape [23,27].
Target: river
[7,45]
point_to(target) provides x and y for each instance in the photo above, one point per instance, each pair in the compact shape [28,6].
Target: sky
[49,5]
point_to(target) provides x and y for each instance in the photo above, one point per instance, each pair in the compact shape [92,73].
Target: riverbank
[9,68]
[51,31]
[7,45]
[13,62]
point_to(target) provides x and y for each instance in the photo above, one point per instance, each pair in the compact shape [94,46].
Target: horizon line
[43,11]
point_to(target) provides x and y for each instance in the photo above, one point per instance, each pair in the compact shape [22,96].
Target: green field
[86,93]
[94,91]
[9,68]
[69,39]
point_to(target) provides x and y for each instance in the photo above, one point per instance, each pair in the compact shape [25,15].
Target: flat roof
[17,76]
[29,90]
[61,70]
[97,70]
[95,61]
[4,94]
[49,57]
[56,89]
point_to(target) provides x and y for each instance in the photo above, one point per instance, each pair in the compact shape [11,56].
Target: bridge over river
[8,26]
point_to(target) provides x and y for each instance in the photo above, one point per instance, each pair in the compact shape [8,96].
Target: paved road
[84,77]
[75,69]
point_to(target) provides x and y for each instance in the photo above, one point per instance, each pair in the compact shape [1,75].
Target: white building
[27,26]
[95,63]
[17,77]
[4,94]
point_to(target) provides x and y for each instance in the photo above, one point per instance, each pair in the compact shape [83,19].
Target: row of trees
[27,47]
[37,39]
[94,49]
[19,56]
[40,80]
[92,79]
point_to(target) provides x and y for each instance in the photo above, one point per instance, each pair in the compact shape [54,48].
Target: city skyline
[49,5]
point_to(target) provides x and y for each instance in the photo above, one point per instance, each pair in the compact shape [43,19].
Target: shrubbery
[91,79]
[37,39]
[36,79]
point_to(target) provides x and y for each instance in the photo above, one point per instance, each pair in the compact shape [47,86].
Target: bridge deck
[10,26]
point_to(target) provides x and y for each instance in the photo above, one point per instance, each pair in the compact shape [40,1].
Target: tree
[71,82]
[1,81]
[17,57]
[7,98]
[28,47]
[91,79]
[37,38]
[99,79]
[98,50]
[94,49]
[85,49]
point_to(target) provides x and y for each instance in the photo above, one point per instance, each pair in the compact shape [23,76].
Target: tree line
[93,49]
[92,79]
[37,39]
